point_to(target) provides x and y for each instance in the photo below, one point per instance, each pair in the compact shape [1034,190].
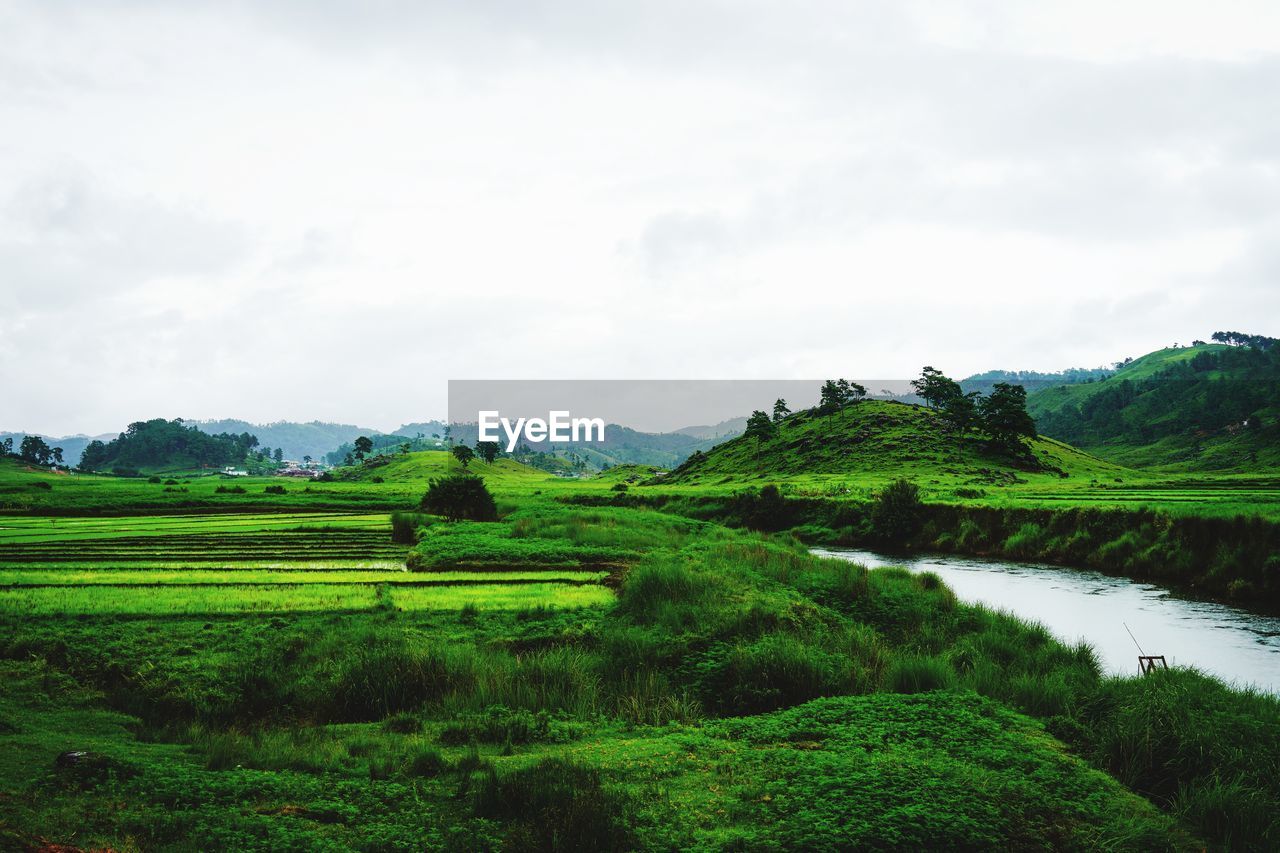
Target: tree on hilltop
[760,426]
[463,454]
[1005,418]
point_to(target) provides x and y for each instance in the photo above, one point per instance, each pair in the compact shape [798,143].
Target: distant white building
[233,471]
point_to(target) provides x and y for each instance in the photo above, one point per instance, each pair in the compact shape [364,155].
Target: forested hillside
[161,444]
[1206,406]
[295,440]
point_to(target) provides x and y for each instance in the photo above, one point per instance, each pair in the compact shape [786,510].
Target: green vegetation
[443,651]
[1203,407]
[618,677]
[876,441]
[161,444]
[460,496]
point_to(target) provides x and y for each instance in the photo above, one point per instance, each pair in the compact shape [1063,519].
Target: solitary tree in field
[278,455]
[780,410]
[57,456]
[463,454]
[306,460]
[488,450]
[460,496]
[7,445]
[363,445]
[405,446]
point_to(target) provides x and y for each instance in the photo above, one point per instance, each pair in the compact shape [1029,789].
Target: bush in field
[776,671]
[1027,542]
[918,674]
[556,805]
[460,496]
[897,513]
[404,527]
[274,490]
[502,725]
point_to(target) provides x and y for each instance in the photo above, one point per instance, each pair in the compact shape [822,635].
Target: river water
[1235,645]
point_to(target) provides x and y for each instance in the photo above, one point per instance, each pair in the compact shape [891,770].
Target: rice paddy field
[252,563]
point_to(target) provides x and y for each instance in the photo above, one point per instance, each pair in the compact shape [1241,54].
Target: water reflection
[1233,644]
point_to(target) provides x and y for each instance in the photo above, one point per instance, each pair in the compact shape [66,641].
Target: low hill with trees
[965,438]
[166,445]
[425,465]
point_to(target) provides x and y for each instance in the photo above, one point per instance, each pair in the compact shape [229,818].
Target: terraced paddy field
[263,563]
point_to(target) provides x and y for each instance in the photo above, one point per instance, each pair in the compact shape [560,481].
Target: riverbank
[1229,559]
[1118,618]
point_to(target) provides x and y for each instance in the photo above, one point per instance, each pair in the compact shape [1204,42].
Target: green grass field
[271,671]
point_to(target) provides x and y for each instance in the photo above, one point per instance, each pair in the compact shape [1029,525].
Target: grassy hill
[1204,407]
[879,441]
[423,465]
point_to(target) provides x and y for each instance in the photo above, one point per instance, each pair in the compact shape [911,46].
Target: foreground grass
[738,692]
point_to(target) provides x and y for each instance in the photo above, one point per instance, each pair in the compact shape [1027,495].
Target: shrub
[153,479]
[1027,542]
[426,763]
[460,496]
[404,527]
[897,512]
[556,805]
[654,586]
[229,490]
[918,674]
[499,724]
[403,724]
[274,490]
[776,671]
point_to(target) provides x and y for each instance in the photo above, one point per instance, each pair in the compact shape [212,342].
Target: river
[1235,645]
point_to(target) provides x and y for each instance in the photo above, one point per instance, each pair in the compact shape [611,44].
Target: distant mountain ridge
[313,438]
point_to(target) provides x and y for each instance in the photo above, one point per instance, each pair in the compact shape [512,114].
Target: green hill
[161,445]
[879,441]
[423,465]
[1202,407]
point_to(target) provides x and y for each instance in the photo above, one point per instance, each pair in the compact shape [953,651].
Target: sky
[325,209]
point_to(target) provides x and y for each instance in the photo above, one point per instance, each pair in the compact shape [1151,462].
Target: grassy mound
[426,464]
[879,440]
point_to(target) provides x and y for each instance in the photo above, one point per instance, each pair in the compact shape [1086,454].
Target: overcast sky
[323,210]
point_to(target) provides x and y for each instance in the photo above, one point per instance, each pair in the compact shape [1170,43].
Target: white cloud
[298,210]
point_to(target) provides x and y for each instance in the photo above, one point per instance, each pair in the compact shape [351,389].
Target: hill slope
[1202,407]
[878,441]
[423,465]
